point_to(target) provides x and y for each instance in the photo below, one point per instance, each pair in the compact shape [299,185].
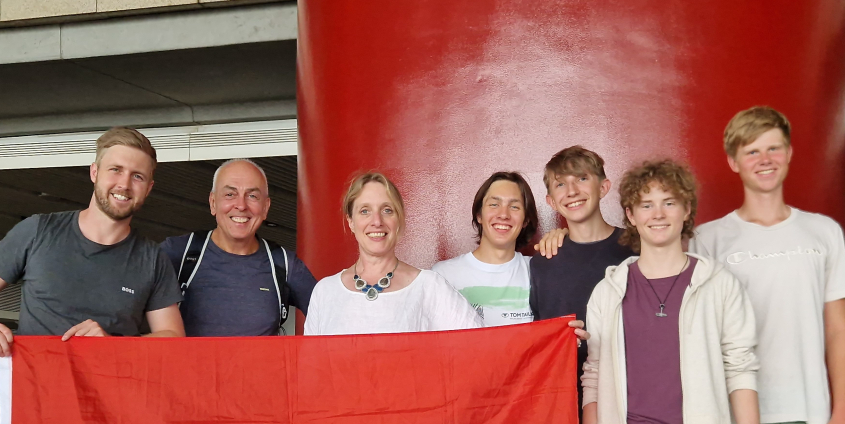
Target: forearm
[166,333]
[835,352]
[590,413]
[745,406]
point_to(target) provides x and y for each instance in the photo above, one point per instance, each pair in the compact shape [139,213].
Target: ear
[630,216]
[732,163]
[604,188]
[689,210]
[349,223]
[550,202]
[150,188]
[789,154]
[92,171]
[212,204]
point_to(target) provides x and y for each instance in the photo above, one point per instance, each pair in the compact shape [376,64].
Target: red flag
[521,373]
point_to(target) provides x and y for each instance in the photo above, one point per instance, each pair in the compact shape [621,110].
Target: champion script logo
[740,257]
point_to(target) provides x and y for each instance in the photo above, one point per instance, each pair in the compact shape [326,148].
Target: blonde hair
[356,186]
[574,160]
[749,124]
[122,136]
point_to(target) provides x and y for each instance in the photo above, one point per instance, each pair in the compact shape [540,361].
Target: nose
[504,212]
[659,212]
[572,190]
[240,203]
[125,180]
[377,218]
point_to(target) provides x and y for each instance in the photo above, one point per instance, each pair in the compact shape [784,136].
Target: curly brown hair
[672,177]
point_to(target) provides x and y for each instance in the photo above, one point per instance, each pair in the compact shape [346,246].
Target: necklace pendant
[359,283]
[661,314]
[372,293]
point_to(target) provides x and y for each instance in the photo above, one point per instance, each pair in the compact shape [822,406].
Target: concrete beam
[207,27]
[168,116]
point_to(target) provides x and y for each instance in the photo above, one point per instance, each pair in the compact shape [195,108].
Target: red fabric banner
[521,373]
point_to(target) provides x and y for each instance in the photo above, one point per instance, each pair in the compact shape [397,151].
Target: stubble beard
[102,198]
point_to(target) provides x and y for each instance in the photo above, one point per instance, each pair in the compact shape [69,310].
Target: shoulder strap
[282,288]
[192,257]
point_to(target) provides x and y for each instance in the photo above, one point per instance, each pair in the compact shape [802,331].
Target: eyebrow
[499,199]
[249,190]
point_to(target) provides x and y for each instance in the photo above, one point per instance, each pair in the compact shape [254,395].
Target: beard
[102,197]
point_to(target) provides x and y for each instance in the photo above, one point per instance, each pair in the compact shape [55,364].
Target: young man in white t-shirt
[494,277]
[792,263]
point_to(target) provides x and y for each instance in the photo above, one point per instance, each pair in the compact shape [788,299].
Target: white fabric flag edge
[6,390]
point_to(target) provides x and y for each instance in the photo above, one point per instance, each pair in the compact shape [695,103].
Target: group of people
[747,325]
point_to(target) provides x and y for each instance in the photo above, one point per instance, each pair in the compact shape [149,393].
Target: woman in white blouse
[379,293]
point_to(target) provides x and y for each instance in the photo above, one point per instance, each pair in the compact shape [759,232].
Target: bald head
[240,166]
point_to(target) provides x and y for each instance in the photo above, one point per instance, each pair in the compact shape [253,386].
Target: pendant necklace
[371,291]
[663,302]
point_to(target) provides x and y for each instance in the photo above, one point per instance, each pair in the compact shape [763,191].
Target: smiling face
[374,221]
[577,197]
[239,202]
[763,164]
[122,180]
[659,217]
[502,215]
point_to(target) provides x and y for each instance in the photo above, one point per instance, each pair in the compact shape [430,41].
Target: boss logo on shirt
[127,290]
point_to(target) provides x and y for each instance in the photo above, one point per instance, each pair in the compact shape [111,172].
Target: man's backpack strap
[282,288]
[192,257]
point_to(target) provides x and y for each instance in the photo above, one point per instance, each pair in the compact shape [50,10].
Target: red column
[438,94]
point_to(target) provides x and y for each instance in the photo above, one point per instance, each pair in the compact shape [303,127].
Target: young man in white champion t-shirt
[792,264]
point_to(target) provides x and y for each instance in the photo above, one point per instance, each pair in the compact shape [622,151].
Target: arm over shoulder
[174,249]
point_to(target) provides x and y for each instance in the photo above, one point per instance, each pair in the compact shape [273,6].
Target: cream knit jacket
[717,340]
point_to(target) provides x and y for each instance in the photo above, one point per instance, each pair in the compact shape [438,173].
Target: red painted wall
[438,94]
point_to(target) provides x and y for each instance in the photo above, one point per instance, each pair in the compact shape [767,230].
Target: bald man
[230,283]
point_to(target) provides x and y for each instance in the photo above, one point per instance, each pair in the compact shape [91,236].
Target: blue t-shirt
[234,295]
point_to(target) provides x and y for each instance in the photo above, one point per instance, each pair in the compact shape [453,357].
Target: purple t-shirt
[652,347]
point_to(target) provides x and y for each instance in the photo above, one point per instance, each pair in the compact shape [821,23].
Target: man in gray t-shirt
[86,273]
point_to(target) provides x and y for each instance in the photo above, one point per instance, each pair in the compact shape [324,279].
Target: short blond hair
[123,136]
[573,160]
[356,186]
[751,123]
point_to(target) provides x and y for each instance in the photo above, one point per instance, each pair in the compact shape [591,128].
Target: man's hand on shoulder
[551,241]
[89,328]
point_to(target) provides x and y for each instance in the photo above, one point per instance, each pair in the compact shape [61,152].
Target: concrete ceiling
[150,89]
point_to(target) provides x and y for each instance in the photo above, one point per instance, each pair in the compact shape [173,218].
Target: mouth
[240,219]
[659,226]
[120,197]
[379,235]
[765,172]
[502,227]
[575,204]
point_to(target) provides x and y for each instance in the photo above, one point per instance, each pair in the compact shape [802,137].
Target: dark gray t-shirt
[68,279]
[234,295]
